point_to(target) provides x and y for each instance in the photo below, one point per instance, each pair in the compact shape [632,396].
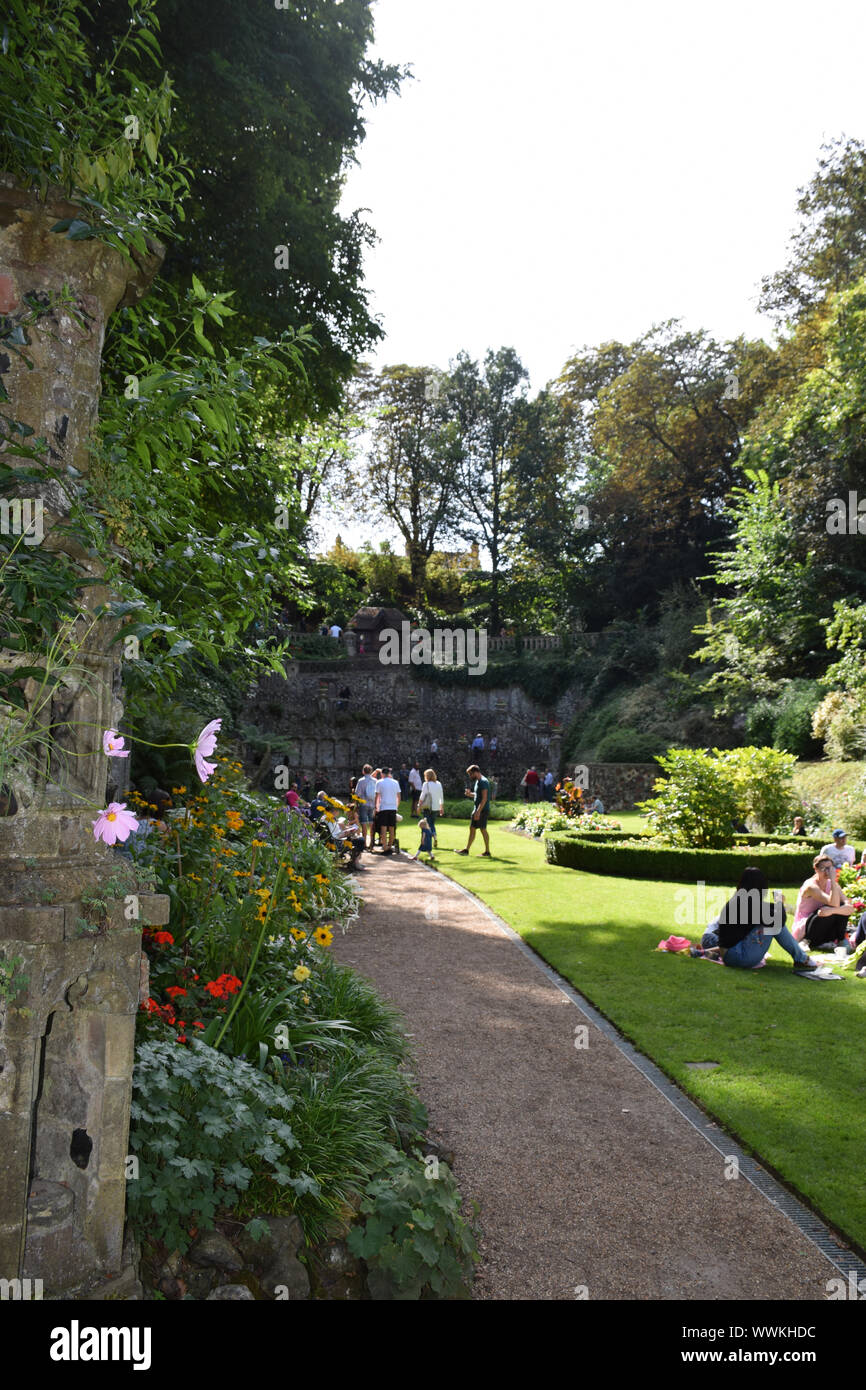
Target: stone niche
[70,923]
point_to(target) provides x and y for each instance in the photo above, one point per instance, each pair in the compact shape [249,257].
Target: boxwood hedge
[671,864]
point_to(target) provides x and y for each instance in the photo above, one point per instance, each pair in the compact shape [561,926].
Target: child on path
[426,845]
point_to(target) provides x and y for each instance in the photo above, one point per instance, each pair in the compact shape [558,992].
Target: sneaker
[807,967]
[486,855]
[461,851]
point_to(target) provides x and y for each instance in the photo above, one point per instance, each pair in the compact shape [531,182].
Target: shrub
[839,721]
[628,746]
[695,802]
[762,782]
[415,1233]
[203,1125]
[675,864]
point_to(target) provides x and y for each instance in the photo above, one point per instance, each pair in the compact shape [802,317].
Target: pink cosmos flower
[204,746]
[114,823]
[112,744]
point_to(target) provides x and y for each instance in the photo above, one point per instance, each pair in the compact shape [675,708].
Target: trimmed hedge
[810,842]
[671,864]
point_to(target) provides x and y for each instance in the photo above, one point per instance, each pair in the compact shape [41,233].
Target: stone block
[119,1045]
[33,924]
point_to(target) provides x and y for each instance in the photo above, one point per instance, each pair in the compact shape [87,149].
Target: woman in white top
[432,801]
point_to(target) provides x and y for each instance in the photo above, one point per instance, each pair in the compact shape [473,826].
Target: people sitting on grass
[823,913]
[748,924]
[480,811]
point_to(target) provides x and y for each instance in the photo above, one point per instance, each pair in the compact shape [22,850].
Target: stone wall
[67,1034]
[391,716]
[620,785]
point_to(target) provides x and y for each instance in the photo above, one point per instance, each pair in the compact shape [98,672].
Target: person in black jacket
[748,923]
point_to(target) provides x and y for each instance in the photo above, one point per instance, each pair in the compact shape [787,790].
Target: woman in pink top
[822,913]
[292,797]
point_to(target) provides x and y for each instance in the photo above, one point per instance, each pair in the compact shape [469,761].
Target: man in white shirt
[387,802]
[335,631]
[416,783]
[839,852]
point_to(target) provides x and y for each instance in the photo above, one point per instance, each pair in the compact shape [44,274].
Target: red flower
[163,938]
[198,1025]
[216,989]
[183,1039]
[174,990]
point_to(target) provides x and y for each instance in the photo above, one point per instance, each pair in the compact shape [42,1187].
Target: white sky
[560,173]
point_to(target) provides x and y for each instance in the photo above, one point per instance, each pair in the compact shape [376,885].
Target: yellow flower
[259,844]
[320,878]
[322,936]
[306,998]
[301,973]
[298,934]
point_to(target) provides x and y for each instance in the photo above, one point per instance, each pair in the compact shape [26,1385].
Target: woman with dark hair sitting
[748,923]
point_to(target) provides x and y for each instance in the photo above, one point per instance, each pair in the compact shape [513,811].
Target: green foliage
[762,782]
[187,487]
[11,982]
[270,109]
[840,720]
[204,1126]
[758,632]
[544,677]
[695,802]
[675,865]
[94,128]
[628,746]
[415,1233]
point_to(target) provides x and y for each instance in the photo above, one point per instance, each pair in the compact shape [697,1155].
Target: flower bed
[543,817]
[639,859]
[269,1080]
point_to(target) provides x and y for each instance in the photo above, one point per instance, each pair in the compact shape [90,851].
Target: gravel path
[586,1177]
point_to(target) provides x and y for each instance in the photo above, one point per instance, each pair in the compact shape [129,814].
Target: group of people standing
[377,795]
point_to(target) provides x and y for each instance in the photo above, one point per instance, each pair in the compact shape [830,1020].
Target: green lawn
[790,1083]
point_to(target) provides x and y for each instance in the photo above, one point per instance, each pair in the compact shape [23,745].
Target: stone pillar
[67,1035]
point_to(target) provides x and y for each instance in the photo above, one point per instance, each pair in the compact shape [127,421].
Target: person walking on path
[494,748]
[426,845]
[365,789]
[416,783]
[432,801]
[478,744]
[387,805]
[434,748]
[480,811]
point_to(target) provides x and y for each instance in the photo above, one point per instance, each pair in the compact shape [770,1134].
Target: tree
[768,615]
[656,431]
[411,461]
[828,250]
[268,112]
[486,406]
